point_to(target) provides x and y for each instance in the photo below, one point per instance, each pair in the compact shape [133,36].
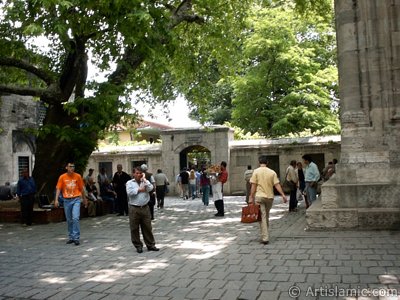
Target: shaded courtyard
[201,257]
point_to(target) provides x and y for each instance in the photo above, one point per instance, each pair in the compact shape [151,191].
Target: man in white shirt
[138,190]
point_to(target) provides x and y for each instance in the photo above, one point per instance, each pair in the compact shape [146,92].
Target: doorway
[194,157]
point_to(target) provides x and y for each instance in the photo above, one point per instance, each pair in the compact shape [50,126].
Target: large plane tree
[151,46]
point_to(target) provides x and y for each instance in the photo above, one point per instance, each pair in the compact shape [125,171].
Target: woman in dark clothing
[205,187]
[302,182]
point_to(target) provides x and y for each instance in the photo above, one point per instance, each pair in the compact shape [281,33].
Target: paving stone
[162,291]
[249,294]
[180,293]
[231,294]
[201,257]
[214,294]
[197,293]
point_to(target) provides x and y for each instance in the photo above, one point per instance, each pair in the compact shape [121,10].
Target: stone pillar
[365,192]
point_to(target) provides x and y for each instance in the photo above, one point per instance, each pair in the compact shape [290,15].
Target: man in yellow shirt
[263,182]
[70,185]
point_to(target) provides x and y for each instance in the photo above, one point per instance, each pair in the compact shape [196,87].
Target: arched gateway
[178,143]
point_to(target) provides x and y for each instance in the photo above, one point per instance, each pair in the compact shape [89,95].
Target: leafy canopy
[146,51]
[285,77]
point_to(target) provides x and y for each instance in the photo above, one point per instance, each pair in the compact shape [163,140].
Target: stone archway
[195,156]
[177,143]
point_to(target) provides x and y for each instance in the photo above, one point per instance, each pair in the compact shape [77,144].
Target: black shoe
[153,248]
[219,215]
[76,243]
[265,242]
[119,215]
[70,242]
[139,249]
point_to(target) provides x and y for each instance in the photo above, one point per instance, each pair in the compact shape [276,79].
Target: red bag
[251,213]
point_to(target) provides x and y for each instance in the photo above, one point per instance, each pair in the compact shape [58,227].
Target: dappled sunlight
[195,248]
[112,248]
[148,267]
[204,249]
[54,280]
[190,229]
[216,221]
[105,275]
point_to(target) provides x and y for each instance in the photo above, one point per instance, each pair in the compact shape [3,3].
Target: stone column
[365,192]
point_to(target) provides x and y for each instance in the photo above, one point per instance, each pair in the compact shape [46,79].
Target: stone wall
[16,114]
[245,153]
[219,141]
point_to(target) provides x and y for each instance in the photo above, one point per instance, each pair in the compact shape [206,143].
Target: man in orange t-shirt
[70,185]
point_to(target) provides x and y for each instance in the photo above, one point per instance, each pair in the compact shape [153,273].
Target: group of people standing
[192,182]
[305,181]
[261,182]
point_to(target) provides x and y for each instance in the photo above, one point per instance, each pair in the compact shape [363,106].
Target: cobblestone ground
[201,257]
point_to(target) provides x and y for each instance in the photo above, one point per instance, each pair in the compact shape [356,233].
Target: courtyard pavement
[201,257]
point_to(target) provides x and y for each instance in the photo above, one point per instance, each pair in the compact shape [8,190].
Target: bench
[10,213]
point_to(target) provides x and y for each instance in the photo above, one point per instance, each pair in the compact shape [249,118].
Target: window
[273,163]
[23,163]
[138,163]
[108,167]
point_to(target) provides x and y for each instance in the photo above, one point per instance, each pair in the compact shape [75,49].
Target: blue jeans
[192,188]
[311,193]
[206,194]
[72,210]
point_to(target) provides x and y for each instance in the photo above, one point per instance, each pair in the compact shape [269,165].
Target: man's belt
[139,206]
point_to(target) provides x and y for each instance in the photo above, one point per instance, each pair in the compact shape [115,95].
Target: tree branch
[23,91]
[183,13]
[131,60]
[50,95]
[20,64]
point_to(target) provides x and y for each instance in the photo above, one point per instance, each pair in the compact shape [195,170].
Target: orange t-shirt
[71,185]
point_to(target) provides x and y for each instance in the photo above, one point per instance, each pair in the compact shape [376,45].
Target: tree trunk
[52,154]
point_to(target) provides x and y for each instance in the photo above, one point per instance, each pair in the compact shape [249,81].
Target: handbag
[314,184]
[251,213]
[288,185]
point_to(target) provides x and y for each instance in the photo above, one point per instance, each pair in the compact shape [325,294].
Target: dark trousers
[160,190]
[248,189]
[122,200]
[151,203]
[27,202]
[219,205]
[139,217]
[293,200]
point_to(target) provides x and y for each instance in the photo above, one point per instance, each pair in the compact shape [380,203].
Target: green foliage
[147,50]
[240,134]
[289,82]
[285,82]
